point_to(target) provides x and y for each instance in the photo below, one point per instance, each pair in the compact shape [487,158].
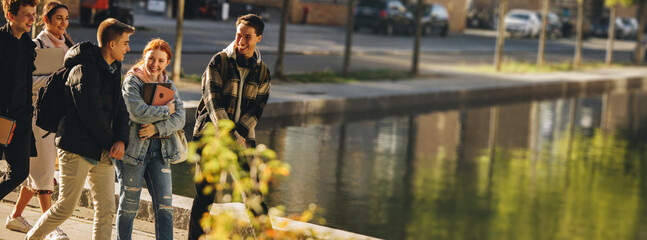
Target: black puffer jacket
[96,116]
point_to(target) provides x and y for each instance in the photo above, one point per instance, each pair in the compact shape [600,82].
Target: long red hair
[156,43]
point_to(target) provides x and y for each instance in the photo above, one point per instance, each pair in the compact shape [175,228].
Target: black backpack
[51,105]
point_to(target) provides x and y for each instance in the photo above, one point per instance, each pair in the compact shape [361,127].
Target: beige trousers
[74,170]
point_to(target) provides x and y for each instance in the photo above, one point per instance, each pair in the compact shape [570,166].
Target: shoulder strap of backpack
[41,43]
[68,40]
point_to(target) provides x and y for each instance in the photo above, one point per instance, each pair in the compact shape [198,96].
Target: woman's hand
[171,105]
[146,131]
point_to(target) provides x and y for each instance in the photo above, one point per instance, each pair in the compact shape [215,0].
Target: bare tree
[498,54]
[179,28]
[416,42]
[611,34]
[350,27]
[577,60]
[640,15]
[37,28]
[285,14]
[613,9]
[542,35]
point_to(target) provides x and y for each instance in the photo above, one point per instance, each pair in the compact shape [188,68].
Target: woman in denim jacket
[149,158]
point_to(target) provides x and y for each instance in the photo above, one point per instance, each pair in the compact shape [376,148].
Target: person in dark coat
[94,131]
[16,68]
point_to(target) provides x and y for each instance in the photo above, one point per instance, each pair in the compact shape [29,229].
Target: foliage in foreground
[220,158]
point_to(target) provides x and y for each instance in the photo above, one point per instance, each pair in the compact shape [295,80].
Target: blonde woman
[41,168]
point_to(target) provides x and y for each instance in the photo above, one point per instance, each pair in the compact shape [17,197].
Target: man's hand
[117,150]
[239,139]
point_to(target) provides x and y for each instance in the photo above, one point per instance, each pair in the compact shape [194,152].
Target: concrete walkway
[79,226]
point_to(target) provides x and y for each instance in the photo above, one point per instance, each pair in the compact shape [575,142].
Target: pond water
[568,168]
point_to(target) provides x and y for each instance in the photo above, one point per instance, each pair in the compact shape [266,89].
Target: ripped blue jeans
[157,174]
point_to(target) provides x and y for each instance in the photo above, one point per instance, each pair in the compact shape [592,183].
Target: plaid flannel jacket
[220,94]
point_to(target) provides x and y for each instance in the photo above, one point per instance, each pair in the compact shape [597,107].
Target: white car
[627,27]
[523,23]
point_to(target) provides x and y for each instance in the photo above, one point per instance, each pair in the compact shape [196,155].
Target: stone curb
[451,97]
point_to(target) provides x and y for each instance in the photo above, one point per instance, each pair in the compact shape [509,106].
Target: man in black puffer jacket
[16,67]
[93,132]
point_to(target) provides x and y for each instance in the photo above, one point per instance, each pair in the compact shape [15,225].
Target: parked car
[600,28]
[628,27]
[524,23]
[383,16]
[435,19]
[113,10]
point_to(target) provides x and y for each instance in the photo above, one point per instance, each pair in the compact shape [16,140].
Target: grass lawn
[333,77]
[336,77]
[531,67]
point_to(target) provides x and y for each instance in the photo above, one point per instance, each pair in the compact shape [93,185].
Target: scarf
[140,73]
[58,42]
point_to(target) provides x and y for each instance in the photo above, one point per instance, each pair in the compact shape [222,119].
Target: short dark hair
[111,29]
[13,6]
[253,21]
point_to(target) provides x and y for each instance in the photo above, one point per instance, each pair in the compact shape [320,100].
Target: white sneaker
[57,234]
[19,224]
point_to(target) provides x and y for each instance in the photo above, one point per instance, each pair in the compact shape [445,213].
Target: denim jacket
[141,113]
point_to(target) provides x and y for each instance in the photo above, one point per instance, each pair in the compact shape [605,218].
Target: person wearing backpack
[16,68]
[94,130]
[237,65]
[147,157]
[41,168]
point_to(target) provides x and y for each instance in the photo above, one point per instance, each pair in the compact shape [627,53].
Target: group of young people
[108,127]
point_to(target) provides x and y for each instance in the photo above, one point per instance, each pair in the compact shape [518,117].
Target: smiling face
[23,20]
[119,47]
[246,40]
[155,62]
[58,22]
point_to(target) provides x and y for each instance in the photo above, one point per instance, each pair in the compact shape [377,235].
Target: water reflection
[547,169]
[560,169]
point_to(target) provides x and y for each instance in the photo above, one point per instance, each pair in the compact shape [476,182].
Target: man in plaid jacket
[235,86]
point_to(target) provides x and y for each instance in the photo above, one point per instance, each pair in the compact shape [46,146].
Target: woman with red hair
[152,143]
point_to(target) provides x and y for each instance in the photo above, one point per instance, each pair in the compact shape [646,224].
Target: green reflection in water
[595,193]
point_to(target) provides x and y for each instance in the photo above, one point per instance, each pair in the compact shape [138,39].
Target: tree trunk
[503,5]
[179,28]
[416,42]
[350,27]
[577,61]
[612,35]
[640,48]
[542,35]
[36,28]
[285,14]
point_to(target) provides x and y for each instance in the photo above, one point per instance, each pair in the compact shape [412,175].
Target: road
[318,48]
